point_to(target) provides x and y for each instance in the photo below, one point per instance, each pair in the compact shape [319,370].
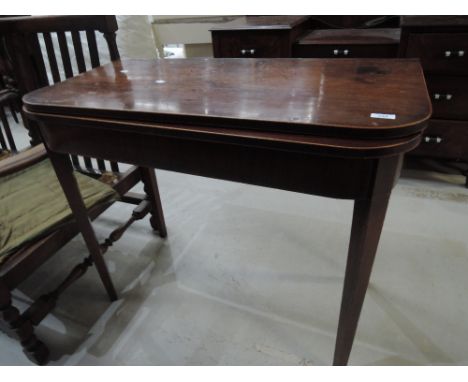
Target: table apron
[304,172]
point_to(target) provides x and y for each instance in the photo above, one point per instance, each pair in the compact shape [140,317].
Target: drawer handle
[459,53]
[247,51]
[438,96]
[338,52]
[432,139]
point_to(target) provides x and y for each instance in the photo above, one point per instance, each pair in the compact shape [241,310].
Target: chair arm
[20,161]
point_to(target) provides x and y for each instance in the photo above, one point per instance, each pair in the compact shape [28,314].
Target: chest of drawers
[441,43]
[348,43]
[258,36]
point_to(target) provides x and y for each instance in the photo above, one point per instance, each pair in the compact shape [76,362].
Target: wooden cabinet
[348,43]
[449,96]
[440,53]
[258,36]
[261,44]
[445,139]
[441,43]
[292,36]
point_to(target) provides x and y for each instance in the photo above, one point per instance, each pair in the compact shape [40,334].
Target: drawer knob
[460,53]
[338,52]
[247,51]
[432,139]
[438,96]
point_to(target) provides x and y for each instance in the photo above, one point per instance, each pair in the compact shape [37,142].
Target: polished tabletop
[356,97]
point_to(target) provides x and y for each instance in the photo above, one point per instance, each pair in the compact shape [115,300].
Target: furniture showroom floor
[253,276]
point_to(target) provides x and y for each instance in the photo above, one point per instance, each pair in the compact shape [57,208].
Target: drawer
[444,139]
[251,44]
[449,96]
[440,53]
[360,43]
[345,51]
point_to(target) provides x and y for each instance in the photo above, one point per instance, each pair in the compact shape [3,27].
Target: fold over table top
[355,98]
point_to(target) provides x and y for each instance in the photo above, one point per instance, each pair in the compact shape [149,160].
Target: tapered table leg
[151,189]
[64,170]
[368,218]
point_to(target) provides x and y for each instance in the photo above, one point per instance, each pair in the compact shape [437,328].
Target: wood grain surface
[306,96]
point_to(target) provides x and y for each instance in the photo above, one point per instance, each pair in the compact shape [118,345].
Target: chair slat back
[49,49]
[7,99]
[62,39]
[78,51]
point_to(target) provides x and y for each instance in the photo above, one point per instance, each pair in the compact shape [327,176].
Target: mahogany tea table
[335,128]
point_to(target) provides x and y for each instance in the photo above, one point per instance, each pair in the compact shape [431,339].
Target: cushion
[32,204]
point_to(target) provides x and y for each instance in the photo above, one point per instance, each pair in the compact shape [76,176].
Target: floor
[253,276]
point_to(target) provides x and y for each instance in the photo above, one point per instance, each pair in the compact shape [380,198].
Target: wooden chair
[21,41]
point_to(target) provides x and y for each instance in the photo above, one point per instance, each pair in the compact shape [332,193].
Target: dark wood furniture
[258,36]
[348,43]
[306,36]
[21,40]
[251,121]
[441,43]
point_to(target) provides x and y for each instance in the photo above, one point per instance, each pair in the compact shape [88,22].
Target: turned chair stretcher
[30,249]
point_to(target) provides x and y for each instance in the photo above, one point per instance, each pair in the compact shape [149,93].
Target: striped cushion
[32,204]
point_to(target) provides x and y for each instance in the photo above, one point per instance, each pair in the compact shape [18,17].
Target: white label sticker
[383,116]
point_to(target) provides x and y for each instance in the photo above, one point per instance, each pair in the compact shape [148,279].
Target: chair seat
[32,204]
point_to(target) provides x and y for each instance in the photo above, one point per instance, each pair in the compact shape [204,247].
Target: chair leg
[151,189]
[64,171]
[23,329]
